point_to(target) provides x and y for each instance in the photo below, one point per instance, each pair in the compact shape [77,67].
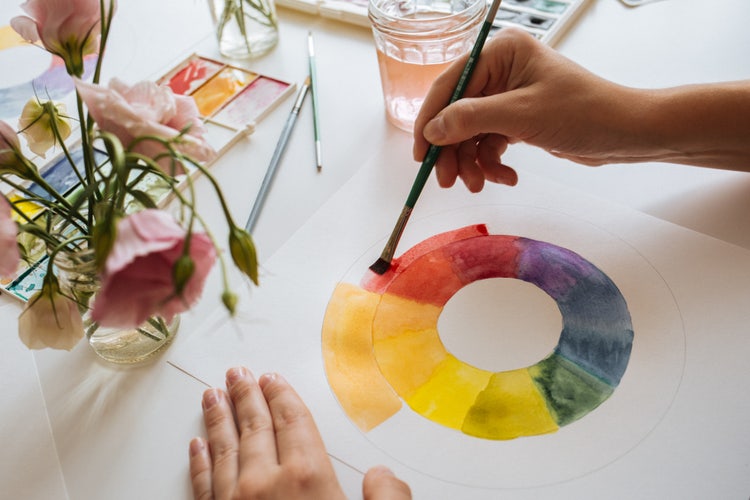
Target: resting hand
[271,449]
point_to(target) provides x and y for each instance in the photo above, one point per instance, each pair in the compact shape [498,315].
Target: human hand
[522,90]
[270,449]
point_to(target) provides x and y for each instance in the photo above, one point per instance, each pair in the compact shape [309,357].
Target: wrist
[704,125]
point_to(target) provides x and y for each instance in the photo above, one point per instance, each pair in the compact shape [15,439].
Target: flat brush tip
[380,266]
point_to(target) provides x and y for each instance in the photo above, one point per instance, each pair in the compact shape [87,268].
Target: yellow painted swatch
[509,407]
[450,392]
[349,360]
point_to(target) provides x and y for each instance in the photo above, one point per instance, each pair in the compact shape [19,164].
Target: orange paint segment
[349,359]
[408,348]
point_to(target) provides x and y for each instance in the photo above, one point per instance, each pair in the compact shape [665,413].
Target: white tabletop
[73,427]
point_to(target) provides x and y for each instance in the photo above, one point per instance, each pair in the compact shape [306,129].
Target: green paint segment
[570,391]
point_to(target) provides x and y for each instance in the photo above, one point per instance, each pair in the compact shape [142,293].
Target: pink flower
[138,282]
[9,255]
[147,109]
[70,29]
[50,319]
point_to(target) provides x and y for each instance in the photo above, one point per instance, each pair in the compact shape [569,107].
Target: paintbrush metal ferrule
[384,262]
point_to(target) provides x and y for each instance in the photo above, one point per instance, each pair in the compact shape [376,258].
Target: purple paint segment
[252,102]
[597,330]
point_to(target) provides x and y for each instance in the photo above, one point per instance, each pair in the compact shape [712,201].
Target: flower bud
[182,271]
[44,125]
[243,253]
[12,160]
[230,301]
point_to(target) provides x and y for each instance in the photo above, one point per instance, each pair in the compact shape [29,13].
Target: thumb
[472,116]
[381,484]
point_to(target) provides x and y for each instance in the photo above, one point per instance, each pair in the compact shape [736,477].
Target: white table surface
[73,427]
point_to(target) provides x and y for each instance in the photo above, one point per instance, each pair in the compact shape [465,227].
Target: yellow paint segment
[509,407]
[450,392]
[349,360]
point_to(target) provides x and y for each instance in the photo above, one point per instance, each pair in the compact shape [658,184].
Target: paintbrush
[384,261]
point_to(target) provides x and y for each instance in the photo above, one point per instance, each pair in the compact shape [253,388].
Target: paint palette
[228,96]
[547,20]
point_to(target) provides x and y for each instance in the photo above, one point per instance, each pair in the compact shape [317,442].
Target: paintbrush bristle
[380,266]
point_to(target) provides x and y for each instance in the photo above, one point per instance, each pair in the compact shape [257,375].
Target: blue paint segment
[597,330]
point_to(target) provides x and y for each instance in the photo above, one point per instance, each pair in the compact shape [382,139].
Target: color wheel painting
[382,347]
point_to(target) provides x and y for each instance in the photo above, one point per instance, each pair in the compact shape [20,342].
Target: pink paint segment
[192,76]
[252,102]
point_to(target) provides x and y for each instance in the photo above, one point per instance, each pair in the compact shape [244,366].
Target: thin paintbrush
[273,165]
[384,262]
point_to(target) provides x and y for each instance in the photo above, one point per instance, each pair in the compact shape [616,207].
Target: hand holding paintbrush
[384,262]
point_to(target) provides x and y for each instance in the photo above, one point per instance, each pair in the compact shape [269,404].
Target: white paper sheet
[674,427]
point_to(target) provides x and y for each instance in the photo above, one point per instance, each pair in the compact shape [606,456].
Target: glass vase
[78,278]
[245,28]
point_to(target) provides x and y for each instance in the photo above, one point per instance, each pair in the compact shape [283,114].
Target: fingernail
[197,446]
[381,470]
[268,378]
[234,375]
[434,131]
[210,398]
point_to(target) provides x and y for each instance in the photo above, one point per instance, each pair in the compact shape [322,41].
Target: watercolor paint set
[231,101]
[547,20]
[229,96]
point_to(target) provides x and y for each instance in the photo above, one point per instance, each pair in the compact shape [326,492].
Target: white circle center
[500,324]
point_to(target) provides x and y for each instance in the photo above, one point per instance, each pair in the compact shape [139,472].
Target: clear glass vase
[245,28]
[78,278]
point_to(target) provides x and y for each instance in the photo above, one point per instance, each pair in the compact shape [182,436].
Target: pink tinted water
[405,85]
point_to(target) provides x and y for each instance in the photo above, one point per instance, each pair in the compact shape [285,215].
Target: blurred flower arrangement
[142,264]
